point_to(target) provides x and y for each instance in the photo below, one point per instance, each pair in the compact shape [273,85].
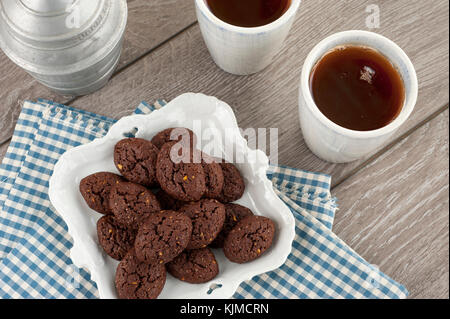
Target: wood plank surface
[395,213]
[269,98]
[150,23]
[3,149]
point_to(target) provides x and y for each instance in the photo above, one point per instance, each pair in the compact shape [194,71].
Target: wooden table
[394,204]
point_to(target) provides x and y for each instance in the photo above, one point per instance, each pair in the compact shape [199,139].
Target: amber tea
[248,13]
[357,88]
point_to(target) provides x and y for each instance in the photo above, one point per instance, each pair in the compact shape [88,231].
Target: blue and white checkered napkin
[34,243]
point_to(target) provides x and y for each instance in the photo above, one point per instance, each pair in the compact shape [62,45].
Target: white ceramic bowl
[337,144]
[240,50]
[97,156]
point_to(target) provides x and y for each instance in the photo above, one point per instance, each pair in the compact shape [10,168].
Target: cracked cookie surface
[167,202]
[207,216]
[234,213]
[115,239]
[96,189]
[213,176]
[130,203]
[249,239]
[183,180]
[178,134]
[233,186]
[135,158]
[194,266]
[138,280]
[162,237]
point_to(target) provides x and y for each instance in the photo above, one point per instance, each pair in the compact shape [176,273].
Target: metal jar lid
[68,45]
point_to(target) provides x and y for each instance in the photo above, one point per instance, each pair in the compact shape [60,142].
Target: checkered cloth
[34,243]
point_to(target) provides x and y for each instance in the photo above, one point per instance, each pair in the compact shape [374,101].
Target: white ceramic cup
[334,143]
[240,50]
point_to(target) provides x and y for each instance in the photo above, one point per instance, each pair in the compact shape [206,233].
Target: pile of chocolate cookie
[164,215]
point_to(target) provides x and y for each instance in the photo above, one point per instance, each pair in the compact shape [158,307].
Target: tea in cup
[242,40]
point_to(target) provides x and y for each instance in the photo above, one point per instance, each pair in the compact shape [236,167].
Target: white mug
[241,50]
[337,144]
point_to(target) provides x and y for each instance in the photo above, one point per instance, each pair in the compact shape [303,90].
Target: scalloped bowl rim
[259,196]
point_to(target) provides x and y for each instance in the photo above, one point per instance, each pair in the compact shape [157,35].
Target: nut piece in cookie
[130,203]
[234,214]
[174,134]
[162,237]
[194,266]
[115,238]
[249,239]
[208,216]
[214,176]
[96,188]
[233,186]
[139,280]
[135,158]
[182,180]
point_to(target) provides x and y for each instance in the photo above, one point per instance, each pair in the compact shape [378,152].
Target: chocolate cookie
[208,216]
[162,237]
[167,202]
[214,177]
[183,180]
[250,238]
[233,186]
[139,280]
[194,266]
[96,188]
[234,213]
[130,203]
[135,158]
[174,134]
[115,238]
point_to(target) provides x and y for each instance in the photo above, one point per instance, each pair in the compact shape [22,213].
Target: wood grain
[150,23]
[3,149]
[395,212]
[269,99]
